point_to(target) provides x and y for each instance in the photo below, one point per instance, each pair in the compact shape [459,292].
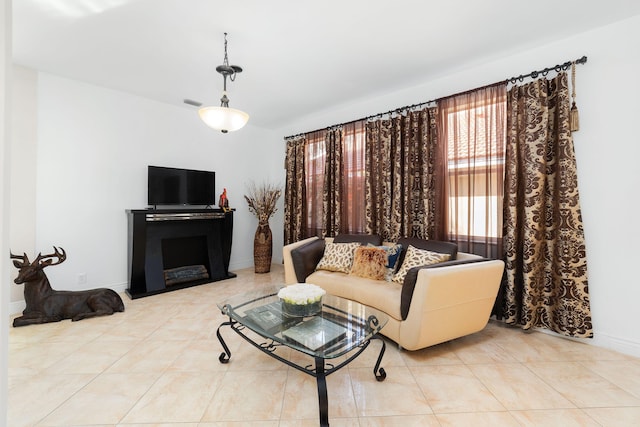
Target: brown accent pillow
[370,262]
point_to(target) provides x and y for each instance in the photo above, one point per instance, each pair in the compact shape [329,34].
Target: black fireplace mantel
[160,240]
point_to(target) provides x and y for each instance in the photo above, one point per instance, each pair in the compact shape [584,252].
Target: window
[314,177]
[473,129]
[471,141]
[353,201]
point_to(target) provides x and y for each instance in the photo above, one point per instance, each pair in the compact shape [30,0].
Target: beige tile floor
[156,364]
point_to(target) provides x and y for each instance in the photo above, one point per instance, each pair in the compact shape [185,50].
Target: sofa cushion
[338,257]
[305,258]
[378,294]
[363,239]
[417,257]
[430,245]
[370,262]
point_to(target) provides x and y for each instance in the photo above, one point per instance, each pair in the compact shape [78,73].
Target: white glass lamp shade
[224,119]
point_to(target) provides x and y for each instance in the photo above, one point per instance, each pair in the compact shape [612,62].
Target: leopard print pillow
[415,258]
[338,257]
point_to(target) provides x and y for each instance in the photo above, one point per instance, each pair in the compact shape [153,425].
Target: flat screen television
[173,186]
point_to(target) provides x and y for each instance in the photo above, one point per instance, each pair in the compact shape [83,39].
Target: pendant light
[224,118]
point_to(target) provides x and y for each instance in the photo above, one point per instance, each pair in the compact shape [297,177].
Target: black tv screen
[173,186]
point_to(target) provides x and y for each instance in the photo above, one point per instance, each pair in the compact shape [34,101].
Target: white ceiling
[298,56]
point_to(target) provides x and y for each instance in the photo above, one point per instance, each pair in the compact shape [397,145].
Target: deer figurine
[45,304]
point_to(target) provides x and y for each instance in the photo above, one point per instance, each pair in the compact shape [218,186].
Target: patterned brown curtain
[333,184]
[295,192]
[399,182]
[471,131]
[546,267]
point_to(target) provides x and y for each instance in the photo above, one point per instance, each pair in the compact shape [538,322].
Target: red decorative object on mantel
[223,201]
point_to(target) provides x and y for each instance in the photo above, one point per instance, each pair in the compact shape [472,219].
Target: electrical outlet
[82,278]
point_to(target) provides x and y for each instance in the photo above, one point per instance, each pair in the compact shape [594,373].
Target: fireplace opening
[185,259]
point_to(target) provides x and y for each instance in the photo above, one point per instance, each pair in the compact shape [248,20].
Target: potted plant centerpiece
[262,203]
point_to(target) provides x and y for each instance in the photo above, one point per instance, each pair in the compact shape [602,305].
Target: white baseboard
[632,348]
[241,265]
[120,287]
[621,345]
[16,307]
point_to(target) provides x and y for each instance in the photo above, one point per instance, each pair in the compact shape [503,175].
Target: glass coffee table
[342,328]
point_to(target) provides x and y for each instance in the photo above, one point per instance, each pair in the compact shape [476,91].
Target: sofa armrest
[411,278]
[451,301]
[300,259]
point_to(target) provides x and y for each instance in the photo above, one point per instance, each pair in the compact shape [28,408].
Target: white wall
[607,152]
[24,139]
[93,148]
[5,170]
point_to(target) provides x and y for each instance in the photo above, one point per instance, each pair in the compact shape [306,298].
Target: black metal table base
[319,371]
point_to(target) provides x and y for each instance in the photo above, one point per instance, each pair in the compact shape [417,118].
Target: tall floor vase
[262,248]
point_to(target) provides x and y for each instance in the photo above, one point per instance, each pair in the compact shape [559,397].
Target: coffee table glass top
[340,327]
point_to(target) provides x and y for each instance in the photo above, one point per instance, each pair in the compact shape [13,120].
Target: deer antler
[47,262]
[24,259]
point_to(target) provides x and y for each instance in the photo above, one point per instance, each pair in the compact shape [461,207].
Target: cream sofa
[447,301]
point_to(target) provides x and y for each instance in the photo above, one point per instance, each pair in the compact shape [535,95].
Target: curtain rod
[373,116]
[534,74]
[556,68]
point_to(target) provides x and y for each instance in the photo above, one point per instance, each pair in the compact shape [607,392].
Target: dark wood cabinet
[173,242]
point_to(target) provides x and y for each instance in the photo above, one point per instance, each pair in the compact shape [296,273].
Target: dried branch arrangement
[262,200]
